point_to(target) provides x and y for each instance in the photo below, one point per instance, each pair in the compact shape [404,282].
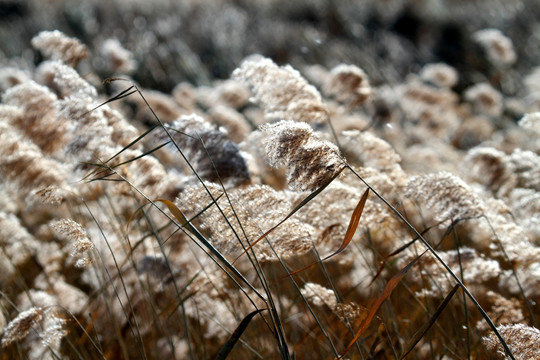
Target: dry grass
[312,238]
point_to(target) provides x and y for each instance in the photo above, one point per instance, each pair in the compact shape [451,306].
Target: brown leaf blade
[175,211]
[235,336]
[390,286]
[353,224]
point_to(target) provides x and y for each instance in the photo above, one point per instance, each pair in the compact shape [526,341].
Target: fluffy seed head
[446,195]
[499,49]
[490,167]
[349,83]
[439,74]
[531,122]
[257,208]
[485,99]
[57,46]
[319,295]
[74,232]
[281,91]
[19,327]
[117,57]
[310,161]
[523,340]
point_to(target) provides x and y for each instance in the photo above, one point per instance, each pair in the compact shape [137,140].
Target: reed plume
[282,92]
[310,161]
[57,46]
[21,326]
[72,231]
[446,195]
[523,340]
[498,48]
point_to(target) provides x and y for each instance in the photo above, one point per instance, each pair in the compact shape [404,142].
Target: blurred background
[201,40]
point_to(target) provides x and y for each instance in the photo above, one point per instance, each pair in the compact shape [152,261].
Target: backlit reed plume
[310,161]
[231,93]
[523,340]
[21,161]
[348,84]
[281,91]
[73,232]
[520,169]
[525,205]
[234,122]
[57,46]
[526,166]
[474,268]
[531,122]
[12,76]
[64,80]
[90,138]
[446,195]
[318,295]
[491,168]
[147,174]
[55,329]
[527,273]
[258,208]
[499,231]
[439,74]
[365,149]
[17,246]
[430,111]
[38,121]
[48,324]
[21,326]
[532,85]
[417,98]
[498,48]
[163,105]
[117,58]
[505,311]
[485,99]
